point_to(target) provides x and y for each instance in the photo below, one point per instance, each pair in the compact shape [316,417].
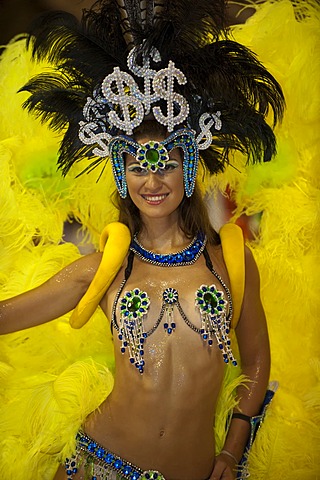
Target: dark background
[16,15]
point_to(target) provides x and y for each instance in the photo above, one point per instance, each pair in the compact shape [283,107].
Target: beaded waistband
[104,463]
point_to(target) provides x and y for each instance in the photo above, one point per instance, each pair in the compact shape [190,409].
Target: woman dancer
[169,299]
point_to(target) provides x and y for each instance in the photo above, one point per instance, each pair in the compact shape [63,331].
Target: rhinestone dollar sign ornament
[163,85]
[88,136]
[125,86]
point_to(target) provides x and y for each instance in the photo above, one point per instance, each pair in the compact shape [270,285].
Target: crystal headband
[157,158]
[119,104]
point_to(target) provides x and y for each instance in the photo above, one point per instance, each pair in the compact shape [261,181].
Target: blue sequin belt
[100,463]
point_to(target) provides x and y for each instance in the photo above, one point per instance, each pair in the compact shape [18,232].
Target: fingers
[223,470]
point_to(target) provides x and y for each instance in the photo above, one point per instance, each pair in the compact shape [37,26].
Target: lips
[155,199]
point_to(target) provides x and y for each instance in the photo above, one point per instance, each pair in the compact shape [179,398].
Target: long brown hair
[193,215]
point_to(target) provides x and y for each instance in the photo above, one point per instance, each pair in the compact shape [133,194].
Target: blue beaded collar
[187,256]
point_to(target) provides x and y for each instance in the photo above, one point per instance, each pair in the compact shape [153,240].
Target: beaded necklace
[187,256]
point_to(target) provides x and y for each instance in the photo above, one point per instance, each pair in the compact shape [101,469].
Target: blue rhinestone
[126,469]
[100,452]
[109,458]
[205,336]
[69,472]
[173,325]
[118,463]
[92,446]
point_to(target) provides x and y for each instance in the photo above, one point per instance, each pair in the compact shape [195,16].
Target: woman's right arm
[57,296]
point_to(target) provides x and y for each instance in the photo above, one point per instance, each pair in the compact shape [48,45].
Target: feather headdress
[222,76]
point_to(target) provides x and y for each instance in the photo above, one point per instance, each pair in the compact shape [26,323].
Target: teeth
[155,198]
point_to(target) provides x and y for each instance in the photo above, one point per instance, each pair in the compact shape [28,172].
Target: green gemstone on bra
[135,304]
[210,299]
[152,155]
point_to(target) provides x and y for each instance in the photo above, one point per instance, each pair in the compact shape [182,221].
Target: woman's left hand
[224,468]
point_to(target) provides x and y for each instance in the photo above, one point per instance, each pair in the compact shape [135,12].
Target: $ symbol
[163,85]
[125,86]
[89,137]
[206,121]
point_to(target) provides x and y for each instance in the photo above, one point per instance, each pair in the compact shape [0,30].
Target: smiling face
[158,194]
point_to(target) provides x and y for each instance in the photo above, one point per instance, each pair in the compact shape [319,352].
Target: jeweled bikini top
[134,305]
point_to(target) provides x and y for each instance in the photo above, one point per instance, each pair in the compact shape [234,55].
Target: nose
[153,182]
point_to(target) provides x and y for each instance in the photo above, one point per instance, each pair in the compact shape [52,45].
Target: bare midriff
[163,419]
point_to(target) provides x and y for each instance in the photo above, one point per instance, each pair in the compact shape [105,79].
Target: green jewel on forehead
[134,304]
[152,156]
[210,300]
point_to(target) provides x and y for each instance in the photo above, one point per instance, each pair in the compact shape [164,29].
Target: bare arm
[54,298]
[253,340]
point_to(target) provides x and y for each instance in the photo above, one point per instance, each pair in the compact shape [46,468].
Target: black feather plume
[222,74]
